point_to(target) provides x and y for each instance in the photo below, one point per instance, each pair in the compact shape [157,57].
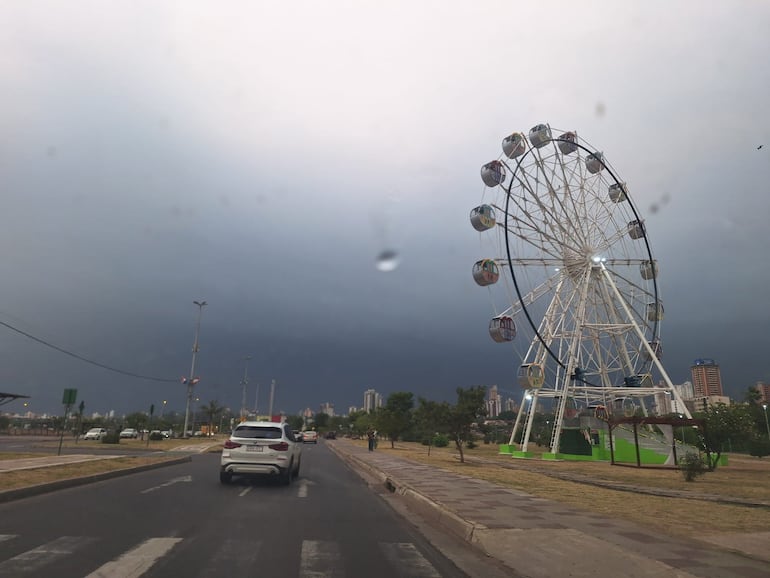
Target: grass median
[745,478]
[157,454]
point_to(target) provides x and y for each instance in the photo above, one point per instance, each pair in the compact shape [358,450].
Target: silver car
[261,448]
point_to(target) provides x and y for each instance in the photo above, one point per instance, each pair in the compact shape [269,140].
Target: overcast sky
[261,155]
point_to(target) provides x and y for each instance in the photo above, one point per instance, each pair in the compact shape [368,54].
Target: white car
[261,448]
[310,437]
[95,433]
[129,432]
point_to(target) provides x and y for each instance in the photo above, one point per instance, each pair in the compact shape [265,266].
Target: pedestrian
[371,437]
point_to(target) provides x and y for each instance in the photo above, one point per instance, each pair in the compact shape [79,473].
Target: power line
[85,359]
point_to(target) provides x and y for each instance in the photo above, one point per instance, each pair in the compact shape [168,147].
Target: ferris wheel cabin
[636,229]
[483,218]
[618,192]
[570,146]
[649,270]
[657,349]
[514,145]
[486,272]
[531,376]
[493,173]
[595,162]
[539,135]
[502,329]
[655,311]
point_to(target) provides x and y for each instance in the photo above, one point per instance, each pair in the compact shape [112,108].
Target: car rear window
[257,432]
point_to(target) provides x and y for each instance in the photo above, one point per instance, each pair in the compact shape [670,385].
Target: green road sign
[70,396]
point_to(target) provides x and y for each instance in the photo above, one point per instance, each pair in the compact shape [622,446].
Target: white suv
[261,447]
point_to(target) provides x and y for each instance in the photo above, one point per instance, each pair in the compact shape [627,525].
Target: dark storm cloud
[149,159]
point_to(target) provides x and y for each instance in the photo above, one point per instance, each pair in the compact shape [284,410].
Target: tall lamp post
[767,424]
[244,383]
[191,380]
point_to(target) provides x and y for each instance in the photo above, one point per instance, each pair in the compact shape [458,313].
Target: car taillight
[281,447]
[229,445]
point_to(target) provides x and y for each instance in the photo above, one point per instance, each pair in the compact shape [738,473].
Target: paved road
[180,521]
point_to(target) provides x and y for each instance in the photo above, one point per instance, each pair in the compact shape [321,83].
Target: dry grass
[23,478]
[744,478]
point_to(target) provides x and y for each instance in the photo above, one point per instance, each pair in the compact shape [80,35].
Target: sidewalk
[540,538]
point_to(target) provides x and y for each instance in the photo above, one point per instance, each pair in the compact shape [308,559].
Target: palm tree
[212,409]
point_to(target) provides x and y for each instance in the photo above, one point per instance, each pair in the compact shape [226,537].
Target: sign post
[68,399]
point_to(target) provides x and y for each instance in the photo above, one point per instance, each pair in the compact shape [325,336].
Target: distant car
[297,435]
[129,432]
[260,448]
[310,436]
[166,433]
[331,435]
[95,433]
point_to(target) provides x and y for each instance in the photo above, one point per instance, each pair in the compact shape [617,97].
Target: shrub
[440,441]
[692,466]
[470,444]
[759,448]
[111,438]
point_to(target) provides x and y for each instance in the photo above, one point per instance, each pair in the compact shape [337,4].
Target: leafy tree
[136,420]
[321,420]
[469,409]
[430,419]
[725,424]
[295,421]
[507,415]
[396,417]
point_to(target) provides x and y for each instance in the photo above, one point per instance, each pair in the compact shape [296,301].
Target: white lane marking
[320,559]
[6,537]
[406,556]
[244,492]
[28,563]
[302,489]
[168,483]
[136,562]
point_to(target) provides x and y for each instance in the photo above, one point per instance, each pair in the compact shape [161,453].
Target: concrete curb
[420,503]
[29,491]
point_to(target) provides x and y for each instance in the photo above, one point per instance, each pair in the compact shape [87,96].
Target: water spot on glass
[600,109]
[51,152]
[654,208]
[388,260]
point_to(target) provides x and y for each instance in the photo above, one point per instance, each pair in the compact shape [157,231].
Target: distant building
[353,409]
[372,400]
[494,403]
[327,408]
[699,404]
[510,405]
[706,378]
[764,391]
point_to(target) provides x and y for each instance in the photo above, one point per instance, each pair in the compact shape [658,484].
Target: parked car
[129,432]
[95,433]
[310,436]
[297,435]
[260,448]
[331,435]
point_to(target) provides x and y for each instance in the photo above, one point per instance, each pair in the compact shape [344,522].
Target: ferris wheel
[572,278]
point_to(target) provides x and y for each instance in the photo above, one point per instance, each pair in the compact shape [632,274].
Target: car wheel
[225,477]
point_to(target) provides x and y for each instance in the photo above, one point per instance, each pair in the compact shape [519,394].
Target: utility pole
[244,383]
[272,397]
[191,380]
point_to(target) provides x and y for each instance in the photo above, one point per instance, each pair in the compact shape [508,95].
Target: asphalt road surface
[180,521]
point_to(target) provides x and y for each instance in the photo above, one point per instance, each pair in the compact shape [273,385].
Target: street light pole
[201,305]
[244,383]
[767,424]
